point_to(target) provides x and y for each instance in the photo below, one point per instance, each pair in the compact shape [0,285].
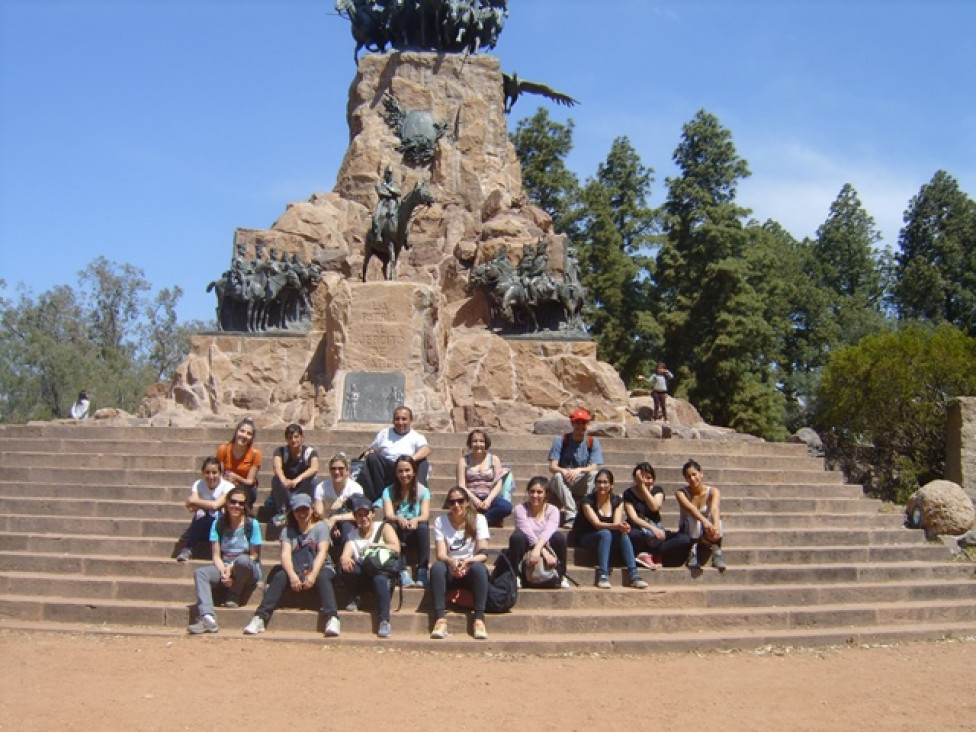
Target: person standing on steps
[659,390]
[389,444]
[574,459]
[700,518]
[654,545]
[235,542]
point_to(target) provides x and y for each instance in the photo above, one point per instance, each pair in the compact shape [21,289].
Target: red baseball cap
[580,415]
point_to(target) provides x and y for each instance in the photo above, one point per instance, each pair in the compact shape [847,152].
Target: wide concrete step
[150,572]
[555,645]
[354,441]
[176,493]
[127,475]
[189,456]
[131,581]
[525,621]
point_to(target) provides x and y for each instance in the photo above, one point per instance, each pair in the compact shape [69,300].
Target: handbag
[542,575]
[380,559]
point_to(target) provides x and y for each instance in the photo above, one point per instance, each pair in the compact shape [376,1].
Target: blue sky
[148,130]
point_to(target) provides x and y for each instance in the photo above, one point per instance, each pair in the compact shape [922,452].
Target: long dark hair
[222,527]
[397,492]
[470,514]
[250,423]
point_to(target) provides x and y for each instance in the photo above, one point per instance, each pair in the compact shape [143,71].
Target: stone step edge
[586,612]
[553,646]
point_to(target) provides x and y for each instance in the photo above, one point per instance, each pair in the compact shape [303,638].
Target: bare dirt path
[53,681]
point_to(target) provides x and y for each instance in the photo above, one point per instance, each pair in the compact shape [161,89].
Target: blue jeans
[605,542]
[358,582]
[199,530]
[245,573]
[500,508]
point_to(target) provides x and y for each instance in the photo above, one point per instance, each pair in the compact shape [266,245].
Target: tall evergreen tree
[542,146]
[616,230]
[716,338]
[935,269]
[848,266]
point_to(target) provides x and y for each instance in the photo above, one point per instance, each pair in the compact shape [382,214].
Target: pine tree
[935,271]
[716,338]
[616,230]
[848,266]
[542,146]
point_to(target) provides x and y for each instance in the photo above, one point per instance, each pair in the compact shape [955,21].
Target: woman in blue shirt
[406,505]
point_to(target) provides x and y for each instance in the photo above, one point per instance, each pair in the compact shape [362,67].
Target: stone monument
[430,325]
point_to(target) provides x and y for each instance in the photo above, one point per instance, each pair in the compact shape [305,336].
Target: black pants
[518,547]
[673,550]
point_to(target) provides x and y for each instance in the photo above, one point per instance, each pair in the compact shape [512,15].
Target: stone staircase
[90,516]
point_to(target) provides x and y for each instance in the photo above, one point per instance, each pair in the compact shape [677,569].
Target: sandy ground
[52,681]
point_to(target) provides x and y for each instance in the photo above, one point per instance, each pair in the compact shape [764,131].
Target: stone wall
[961,444]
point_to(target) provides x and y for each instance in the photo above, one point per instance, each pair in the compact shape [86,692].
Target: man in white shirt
[389,444]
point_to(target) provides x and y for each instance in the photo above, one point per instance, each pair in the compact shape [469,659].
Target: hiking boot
[204,624]
[332,627]
[718,561]
[255,626]
[603,582]
[384,630]
[440,629]
[184,555]
[480,632]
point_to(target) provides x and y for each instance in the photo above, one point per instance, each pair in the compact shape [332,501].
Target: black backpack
[502,586]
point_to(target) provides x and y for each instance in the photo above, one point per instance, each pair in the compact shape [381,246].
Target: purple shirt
[534,530]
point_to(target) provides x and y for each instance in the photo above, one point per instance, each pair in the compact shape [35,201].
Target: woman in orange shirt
[241,460]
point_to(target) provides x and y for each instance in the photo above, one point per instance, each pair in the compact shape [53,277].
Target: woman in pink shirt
[537,537]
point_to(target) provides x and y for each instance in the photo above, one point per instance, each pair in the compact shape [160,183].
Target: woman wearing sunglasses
[235,542]
[332,497]
[461,537]
[305,566]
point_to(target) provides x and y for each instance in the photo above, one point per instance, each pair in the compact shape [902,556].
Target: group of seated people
[328,528]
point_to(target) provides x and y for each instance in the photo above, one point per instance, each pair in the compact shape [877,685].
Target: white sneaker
[255,626]
[332,627]
[564,584]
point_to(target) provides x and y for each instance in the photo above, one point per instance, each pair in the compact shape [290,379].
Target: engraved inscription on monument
[372,396]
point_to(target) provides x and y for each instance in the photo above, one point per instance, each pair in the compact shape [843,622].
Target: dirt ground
[52,681]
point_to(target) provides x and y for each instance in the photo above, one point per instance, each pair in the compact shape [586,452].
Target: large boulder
[941,507]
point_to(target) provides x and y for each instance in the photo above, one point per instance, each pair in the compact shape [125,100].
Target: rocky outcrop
[941,507]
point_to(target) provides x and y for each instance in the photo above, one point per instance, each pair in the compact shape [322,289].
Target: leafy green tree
[106,336]
[935,269]
[883,403]
[717,341]
[848,266]
[616,230]
[542,146]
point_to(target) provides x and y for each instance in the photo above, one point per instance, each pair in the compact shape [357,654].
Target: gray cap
[300,500]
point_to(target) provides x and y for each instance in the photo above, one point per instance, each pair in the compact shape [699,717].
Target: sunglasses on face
[457,501]
[235,503]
